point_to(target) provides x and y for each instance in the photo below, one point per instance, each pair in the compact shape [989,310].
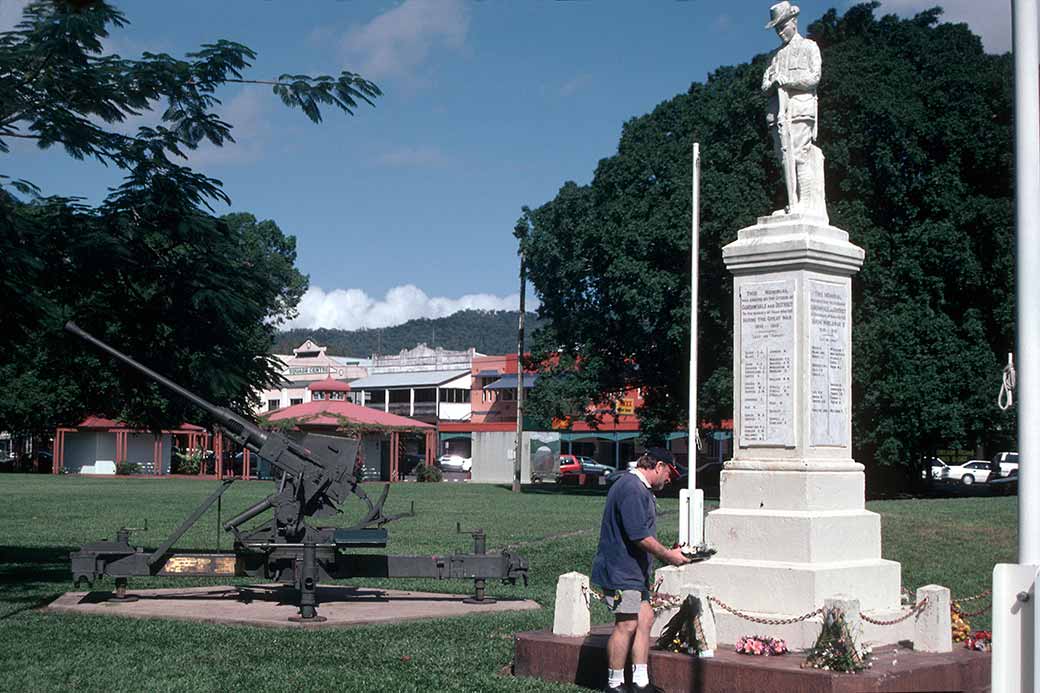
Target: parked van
[1007,461]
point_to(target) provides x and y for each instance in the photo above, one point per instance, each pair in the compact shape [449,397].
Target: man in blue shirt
[622,567]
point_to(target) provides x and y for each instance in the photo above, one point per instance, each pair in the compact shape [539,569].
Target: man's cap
[781,12]
[660,455]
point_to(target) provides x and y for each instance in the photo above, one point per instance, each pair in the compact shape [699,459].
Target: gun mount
[315,480]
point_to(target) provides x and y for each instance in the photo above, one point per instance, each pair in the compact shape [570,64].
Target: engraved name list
[828,363]
[767,363]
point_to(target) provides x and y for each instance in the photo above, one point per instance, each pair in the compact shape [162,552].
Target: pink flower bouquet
[761,646]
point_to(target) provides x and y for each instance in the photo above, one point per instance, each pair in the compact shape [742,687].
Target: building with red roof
[329,389]
[98,446]
[390,444]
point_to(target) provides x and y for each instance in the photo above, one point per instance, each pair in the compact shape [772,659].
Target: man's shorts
[625,602]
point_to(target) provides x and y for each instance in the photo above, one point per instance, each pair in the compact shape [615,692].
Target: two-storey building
[424,383]
[308,364]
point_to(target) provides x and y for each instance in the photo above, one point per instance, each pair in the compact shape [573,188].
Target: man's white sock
[640,676]
[615,677]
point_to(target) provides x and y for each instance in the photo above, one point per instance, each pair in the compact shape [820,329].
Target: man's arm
[768,77]
[658,551]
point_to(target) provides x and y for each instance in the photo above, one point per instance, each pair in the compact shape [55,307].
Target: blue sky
[406,210]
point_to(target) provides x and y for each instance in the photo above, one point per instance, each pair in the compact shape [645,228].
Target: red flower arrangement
[981,640]
[761,646]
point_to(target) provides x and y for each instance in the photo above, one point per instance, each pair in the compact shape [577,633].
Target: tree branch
[273,83]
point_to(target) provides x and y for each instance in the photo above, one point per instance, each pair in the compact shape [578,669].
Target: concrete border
[272,605]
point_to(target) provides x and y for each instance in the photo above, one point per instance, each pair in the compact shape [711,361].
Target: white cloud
[990,20]
[412,157]
[352,309]
[397,42]
[11,13]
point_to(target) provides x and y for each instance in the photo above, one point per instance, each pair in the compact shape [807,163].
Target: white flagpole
[1027,203]
[1016,618]
[693,504]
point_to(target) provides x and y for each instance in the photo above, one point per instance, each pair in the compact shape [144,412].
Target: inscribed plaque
[767,363]
[828,363]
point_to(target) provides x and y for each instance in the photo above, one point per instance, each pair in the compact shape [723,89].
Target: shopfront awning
[604,435]
[508,382]
[450,436]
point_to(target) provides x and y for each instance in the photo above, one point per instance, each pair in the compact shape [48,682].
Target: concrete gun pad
[272,605]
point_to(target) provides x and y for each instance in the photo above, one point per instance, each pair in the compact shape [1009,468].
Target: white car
[975,471]
[455,463]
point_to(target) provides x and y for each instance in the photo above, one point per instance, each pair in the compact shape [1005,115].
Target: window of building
[426,394]
[317,396]
[454,395]
[294,402]
[339,396]
[273,404]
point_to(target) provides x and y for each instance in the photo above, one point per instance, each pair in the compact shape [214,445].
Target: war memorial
[795,546]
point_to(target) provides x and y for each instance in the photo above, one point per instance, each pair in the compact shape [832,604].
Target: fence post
[932,628]
[571,615]
[849,607]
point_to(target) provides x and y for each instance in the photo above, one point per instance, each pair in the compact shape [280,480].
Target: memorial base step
[583,661]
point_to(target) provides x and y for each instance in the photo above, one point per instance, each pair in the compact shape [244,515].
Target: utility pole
[520,232]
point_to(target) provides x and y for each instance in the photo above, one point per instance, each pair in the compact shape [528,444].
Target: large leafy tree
[915,124]
[151,269]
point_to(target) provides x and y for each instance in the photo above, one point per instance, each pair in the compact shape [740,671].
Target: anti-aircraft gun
[316,477]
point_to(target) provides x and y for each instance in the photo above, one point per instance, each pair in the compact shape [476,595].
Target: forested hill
[488,331]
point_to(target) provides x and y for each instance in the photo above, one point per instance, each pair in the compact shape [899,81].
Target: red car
[575,467]
[570,464]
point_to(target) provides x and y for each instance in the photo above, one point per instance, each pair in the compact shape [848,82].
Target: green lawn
[953,542]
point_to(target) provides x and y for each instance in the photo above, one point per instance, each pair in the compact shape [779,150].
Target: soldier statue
[790,81]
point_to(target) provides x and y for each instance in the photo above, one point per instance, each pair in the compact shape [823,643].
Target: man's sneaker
[648,688]
[623,688]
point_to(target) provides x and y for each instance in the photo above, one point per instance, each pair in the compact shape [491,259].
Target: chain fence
[917,608]
[661,601]
[980,595]
[762,620]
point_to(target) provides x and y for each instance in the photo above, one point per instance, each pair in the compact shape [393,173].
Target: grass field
[953,542]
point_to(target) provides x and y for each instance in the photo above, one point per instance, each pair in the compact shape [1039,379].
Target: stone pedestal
[791,530]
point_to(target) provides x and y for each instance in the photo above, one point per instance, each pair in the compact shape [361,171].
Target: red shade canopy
[329,385]
[334,412]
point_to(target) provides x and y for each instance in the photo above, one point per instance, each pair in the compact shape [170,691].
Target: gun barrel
[250,434]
